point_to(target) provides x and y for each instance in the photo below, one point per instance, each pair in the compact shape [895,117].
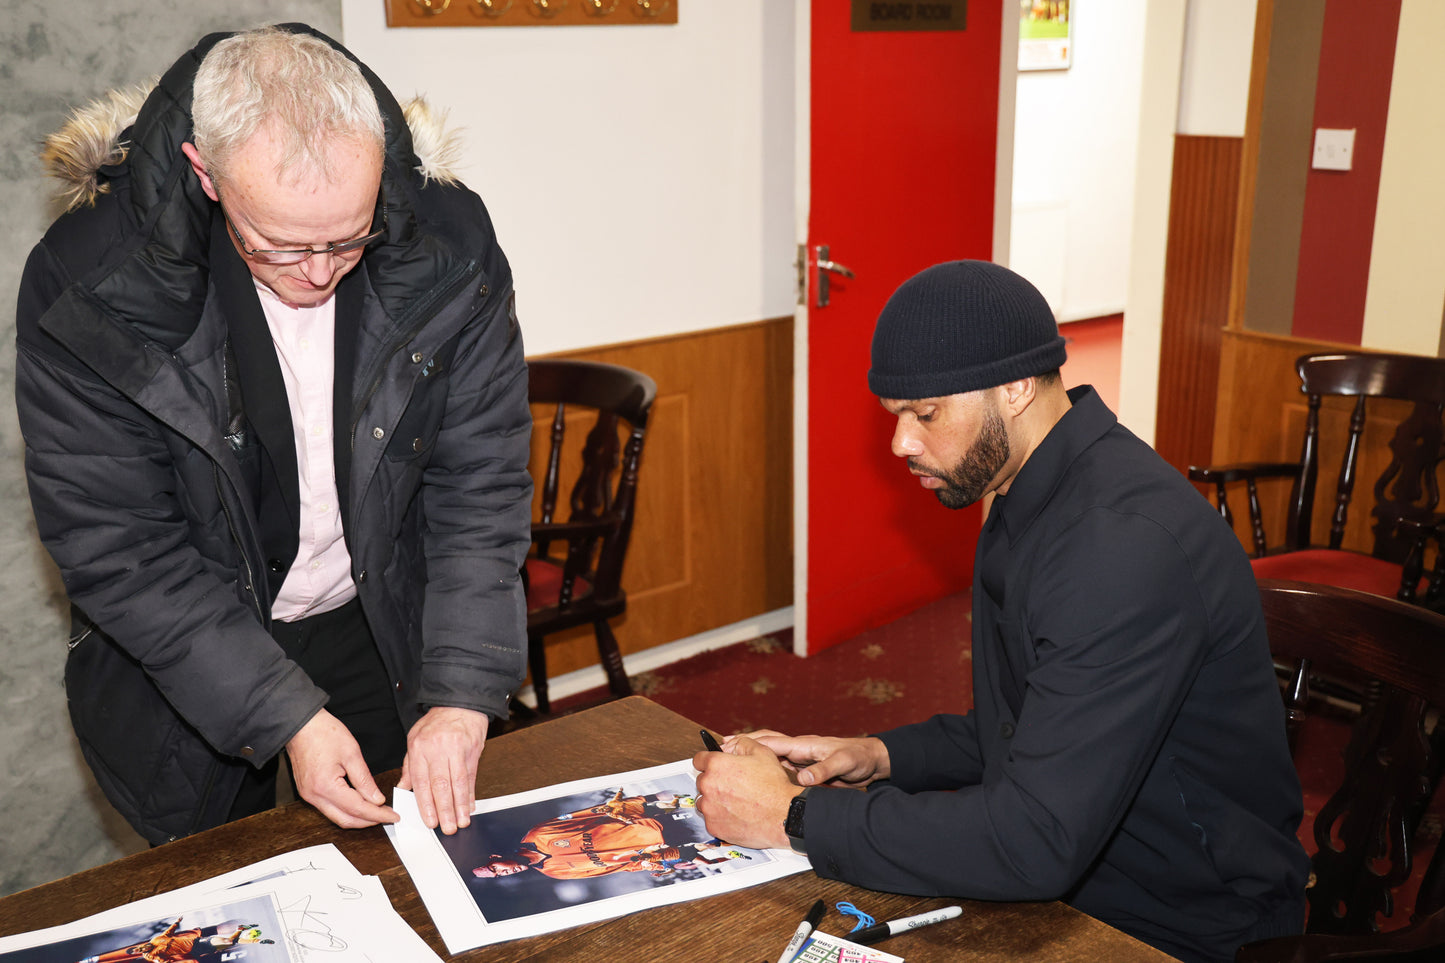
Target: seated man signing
[1127,751]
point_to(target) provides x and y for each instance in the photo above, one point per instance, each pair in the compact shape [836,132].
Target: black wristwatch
[793,825]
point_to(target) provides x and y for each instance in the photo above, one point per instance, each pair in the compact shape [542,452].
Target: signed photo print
[247,930]
[574,853]
[576,849]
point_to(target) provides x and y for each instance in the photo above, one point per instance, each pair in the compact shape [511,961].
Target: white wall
[1075,137]
[641,177]
[1218,47]
[1158,119]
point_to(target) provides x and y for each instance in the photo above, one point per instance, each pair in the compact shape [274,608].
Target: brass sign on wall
[870,15]
[529,13]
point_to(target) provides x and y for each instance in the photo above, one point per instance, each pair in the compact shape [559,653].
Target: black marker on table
[805,930]
[708,742]
[882,931]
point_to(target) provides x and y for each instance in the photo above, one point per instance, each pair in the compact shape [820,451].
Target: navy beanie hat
[962,326]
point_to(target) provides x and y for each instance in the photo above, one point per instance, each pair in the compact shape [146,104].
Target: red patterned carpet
[903,672]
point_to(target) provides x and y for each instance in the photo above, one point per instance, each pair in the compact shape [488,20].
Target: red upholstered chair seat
[1395,404]
[1327,566]
[544,584]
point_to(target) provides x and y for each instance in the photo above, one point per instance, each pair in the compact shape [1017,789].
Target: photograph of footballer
[572,853]
[578,849]
[244,931]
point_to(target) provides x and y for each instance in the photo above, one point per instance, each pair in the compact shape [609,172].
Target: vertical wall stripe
[1149,230]
[1284,147]
[1196,294]
[1357,57]
[1406,296]
[1239,259]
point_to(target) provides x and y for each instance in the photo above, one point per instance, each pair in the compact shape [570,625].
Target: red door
[901,164]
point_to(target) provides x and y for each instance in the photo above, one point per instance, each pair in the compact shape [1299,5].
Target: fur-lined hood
[93,138]
[138,233]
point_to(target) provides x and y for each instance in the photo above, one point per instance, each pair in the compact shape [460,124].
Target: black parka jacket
[145,469]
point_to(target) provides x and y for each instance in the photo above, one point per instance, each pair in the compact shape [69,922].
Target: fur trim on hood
[91,139]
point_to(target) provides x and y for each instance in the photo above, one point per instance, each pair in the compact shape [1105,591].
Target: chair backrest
[1364,833]
[1409,487]
[616,394]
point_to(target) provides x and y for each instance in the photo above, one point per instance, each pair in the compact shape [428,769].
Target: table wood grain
[744,926]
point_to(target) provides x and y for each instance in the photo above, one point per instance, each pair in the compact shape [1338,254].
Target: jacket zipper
[240,549]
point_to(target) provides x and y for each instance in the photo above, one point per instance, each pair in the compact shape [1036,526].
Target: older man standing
[273,396]
[1127,749]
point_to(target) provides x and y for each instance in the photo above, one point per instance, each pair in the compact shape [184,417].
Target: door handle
[826,267]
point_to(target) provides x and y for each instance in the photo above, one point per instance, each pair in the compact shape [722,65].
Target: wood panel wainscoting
[712,543]
[1261,417]
[1203,202]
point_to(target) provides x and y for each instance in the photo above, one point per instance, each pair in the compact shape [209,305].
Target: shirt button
[274,565]
[247,751]
[361,575]
[1006,730]
[378,433]
[416,357]
[485,290]
[416,444]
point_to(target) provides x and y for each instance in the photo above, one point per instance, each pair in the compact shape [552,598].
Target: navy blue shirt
[1126,751]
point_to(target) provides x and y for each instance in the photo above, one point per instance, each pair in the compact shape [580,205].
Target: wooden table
[749,925]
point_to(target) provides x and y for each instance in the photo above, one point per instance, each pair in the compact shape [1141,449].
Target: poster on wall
[1045,40]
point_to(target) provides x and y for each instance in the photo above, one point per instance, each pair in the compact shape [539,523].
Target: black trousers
[337,651]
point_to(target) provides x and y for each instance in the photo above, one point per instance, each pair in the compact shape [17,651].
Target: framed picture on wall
[1045,34]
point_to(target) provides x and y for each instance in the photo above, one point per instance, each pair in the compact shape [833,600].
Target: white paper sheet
[311,905]
[561,891]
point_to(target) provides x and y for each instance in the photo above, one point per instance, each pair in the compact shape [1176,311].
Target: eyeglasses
[337,248]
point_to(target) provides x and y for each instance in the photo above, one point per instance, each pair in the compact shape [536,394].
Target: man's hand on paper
[442,750]
[743,794]
[331,774]
[825,760]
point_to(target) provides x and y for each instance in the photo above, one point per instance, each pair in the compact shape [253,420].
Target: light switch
[1334,149]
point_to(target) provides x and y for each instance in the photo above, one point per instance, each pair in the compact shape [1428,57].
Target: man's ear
[207,185]
[1018,395]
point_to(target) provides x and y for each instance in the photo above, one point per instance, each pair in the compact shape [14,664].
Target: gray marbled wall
[55,56]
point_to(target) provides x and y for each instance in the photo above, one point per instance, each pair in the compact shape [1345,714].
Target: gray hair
[308,92]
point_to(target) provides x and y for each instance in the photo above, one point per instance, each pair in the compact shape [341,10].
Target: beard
[968,481]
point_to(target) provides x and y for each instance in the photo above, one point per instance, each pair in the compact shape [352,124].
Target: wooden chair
[1406,494]
[1364,833]
[573,573]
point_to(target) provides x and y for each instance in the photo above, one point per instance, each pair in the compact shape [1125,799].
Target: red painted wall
[1357,58]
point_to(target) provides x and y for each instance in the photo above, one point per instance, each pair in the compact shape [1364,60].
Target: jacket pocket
[1239,849]
[153,767]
